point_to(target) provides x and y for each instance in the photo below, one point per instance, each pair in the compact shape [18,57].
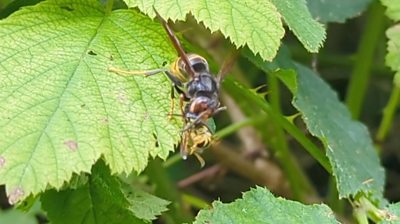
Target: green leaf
[392,57]
[310,33]
[60,107]
[16,216]
[146,206]
[336,10]
[252,23]
[260,206]
[101,200]
[355,163]
[392,215]
[393,9]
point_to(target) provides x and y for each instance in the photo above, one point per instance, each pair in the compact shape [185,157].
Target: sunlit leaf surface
[393,9]
[252,23]
[60,107]
[393,54]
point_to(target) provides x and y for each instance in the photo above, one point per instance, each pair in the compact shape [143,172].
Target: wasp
[198,90]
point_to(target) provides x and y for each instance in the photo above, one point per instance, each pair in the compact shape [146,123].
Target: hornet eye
[199,67]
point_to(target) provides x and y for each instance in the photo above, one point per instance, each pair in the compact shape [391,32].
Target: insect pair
[199,94]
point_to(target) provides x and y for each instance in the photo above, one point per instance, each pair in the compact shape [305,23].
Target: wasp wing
[177,44]
[227,66]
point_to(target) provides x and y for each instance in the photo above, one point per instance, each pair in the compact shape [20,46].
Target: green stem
[167,190]
[274,93]
[365,56]
[308,145]
[371,211]
[172,160]
[196,202]
[282,121]
[299,183]
[388,114]
[244,95]
[109,6]
[236,126]
[360,215]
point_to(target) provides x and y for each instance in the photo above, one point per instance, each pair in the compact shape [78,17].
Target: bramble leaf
[392,215]
[253,23]
[146,206]
[61,109]
[101,200]
[16,216]
[336,10]
[310,33]
[355,163]
[260,206]
[393,54]
[393,9]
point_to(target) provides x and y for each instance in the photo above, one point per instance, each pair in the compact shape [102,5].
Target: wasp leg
[199,119]
[196,120]
[219,109]
[184,143]
[138,72]
[200,159]
[172,103]
[183,98]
